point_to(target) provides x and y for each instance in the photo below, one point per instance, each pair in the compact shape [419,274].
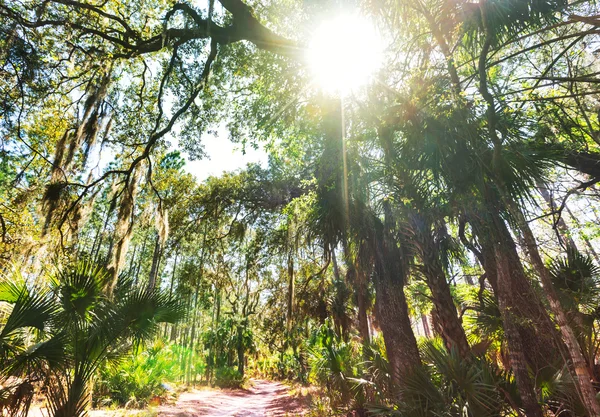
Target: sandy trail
[264,399]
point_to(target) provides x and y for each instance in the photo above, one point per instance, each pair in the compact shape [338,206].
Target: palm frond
[31,309]
[35,357]
[11,289]
[504,18]
[575,276]
[80,288]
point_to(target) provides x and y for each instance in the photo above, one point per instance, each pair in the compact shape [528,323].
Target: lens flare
[344,53]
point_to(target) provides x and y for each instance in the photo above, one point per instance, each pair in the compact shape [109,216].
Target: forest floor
[264,399]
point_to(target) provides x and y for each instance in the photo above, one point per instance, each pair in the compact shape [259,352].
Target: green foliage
[77,328]
[576,278]
[485,323]
[448,385]
[476,104]
[229,377]
[135,380]
[334,363]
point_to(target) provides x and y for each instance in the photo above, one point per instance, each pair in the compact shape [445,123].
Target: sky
[223,155]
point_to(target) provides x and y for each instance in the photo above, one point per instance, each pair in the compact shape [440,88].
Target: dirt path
[264,399]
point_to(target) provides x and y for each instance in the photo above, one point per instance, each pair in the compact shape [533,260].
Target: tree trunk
[132,261]
[192,335]
[155,263]
[240,349]
[218,343]
[290,295]
[426,326]
[95,252]
[138,266]
[535,326]
[123,228]
[361,296]
[516,346]
[171,288]
[531,337]
[392,314]
[391,308]
[450,326]
[579,370]
[212,351]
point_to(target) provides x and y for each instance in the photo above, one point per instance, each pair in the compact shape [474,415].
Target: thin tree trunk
[212,352]
[155,263]
[138,266]
[361,296]
[192,339]
[195,309]
[291,292]
[426,328]
[102,231]
[192,336]
[218,344]
[132,262]
[97,241]
[183,340]
[240,349]
[172,285]
[336,269]
[173,336]
[123,228]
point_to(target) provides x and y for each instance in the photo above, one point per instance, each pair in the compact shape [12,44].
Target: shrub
[135,381]
[227,377]
[58,334]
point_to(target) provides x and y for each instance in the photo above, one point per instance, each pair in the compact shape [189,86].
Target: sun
[344,53]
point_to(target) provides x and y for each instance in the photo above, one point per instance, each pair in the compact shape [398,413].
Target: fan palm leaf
[78,328]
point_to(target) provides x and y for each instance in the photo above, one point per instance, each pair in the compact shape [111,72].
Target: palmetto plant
[60,335]
[333,363]
[138,378]
[24,351]
[576,278]
[448,385]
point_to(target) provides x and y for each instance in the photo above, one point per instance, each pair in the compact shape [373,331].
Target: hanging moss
[51,201]
[123,227]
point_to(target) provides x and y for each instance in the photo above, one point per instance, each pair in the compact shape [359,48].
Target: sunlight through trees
[421,238]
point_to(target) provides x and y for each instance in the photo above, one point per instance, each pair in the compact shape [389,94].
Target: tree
[80,327]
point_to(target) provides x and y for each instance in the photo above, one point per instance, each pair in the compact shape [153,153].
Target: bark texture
[578,368]
[449,325]
[534,324]
[390,305]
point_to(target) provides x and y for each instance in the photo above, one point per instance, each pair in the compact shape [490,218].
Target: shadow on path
[264,399]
